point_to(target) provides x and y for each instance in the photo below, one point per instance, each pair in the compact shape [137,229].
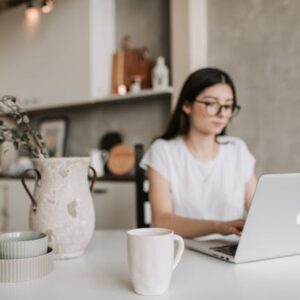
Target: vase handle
[93,179]
[37,182]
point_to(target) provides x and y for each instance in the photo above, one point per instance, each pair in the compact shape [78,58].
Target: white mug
[151,259]
[98,159]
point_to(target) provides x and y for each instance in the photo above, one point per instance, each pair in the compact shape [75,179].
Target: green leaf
[21,135]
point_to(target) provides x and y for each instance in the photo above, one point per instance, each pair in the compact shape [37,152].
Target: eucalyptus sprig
[21,135]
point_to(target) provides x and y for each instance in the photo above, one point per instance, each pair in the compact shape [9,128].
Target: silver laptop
[272,228]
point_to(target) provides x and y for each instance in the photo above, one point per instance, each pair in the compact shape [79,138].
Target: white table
[101,273]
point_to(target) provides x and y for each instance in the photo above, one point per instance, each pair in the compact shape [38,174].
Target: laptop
[272,227]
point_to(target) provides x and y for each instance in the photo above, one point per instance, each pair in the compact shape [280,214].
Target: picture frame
[54,133]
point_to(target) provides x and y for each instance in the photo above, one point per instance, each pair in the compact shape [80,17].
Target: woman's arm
[162,213]
[249,191]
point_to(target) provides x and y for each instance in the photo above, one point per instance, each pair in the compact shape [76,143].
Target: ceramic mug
[98,160]
[151,259]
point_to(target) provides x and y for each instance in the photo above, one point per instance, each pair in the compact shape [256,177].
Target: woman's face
[211,111]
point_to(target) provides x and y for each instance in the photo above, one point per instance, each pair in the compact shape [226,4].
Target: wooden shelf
[109,99]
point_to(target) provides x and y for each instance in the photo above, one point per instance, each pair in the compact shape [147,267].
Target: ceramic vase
[160,75]
[62,205]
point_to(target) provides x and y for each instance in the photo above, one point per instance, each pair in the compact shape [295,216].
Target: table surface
[102,273]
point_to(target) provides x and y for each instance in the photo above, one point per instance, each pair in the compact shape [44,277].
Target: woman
[201,181]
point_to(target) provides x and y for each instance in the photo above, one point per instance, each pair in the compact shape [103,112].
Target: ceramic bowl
[14,245]
[23,269]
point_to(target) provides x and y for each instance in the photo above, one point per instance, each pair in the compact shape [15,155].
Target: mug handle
[179,240]
[37,182]
[93,179]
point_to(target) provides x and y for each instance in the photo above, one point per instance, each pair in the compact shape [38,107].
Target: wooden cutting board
[121,159]
[128,63]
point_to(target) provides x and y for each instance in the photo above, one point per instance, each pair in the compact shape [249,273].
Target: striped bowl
[17,245]
[24,269]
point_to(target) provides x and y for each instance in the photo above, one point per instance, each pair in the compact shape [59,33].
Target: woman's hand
[230,227]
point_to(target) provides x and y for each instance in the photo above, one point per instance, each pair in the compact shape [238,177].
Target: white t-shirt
[212,190]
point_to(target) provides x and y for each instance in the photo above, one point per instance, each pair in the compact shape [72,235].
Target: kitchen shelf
[144,94]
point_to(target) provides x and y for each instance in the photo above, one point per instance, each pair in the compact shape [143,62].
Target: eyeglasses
[214,108]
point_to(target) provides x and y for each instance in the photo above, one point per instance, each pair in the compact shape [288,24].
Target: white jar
[160,75]
[136,84]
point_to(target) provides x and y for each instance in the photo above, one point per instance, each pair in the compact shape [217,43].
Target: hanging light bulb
[47,6]
[32,13]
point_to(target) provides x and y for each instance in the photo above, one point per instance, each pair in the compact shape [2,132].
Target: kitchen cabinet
[115,205]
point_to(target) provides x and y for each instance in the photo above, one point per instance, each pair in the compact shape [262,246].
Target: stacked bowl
[24,256]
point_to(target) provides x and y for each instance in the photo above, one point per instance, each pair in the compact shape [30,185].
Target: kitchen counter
[102,273]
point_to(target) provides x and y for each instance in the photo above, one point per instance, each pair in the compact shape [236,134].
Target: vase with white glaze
[62,205]
[160,75]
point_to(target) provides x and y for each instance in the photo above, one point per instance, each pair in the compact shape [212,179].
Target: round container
[24,269]
[15,245]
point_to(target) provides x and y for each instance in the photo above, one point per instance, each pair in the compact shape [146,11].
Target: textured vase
[62,205]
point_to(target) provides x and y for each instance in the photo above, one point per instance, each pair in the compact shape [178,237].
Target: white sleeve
[247,162]
[156,158]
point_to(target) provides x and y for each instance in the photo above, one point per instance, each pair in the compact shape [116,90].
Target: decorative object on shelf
[62,206]
[130,62]
[54,133]
[109,140]
[120,159]
[98,159]
[136,84]
[160,75]
[122,90]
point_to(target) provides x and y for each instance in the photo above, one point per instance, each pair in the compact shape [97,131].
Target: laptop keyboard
[229,249]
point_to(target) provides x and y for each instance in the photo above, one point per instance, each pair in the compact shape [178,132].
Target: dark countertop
[123,178]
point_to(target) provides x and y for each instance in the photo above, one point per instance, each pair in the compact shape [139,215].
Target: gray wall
[258,43]
[138,120]
[147,22]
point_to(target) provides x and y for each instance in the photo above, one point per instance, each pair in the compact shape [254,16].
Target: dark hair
[195,84]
